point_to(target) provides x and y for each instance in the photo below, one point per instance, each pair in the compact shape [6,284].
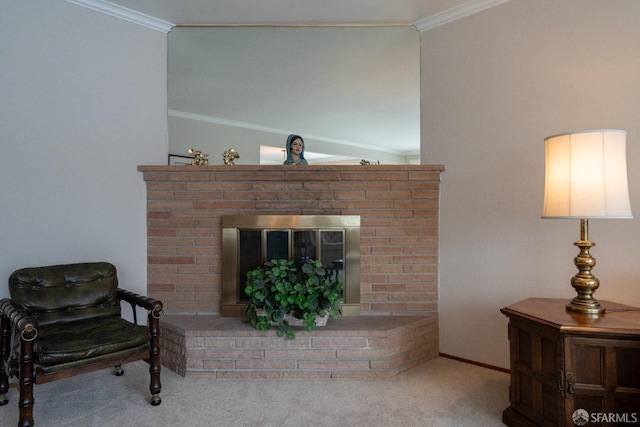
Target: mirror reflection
[352,93]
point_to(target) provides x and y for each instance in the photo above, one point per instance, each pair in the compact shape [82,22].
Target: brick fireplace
[398,207]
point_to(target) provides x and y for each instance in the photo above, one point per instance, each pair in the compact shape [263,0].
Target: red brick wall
[398,207]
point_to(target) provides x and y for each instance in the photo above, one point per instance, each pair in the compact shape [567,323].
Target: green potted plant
[283,291]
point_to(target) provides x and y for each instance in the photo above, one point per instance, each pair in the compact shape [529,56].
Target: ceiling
[181,12]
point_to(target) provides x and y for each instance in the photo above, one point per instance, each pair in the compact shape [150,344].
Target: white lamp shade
[586,175]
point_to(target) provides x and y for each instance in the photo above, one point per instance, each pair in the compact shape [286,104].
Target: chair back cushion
[65,293]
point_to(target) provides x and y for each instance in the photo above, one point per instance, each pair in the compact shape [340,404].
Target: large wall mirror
[352,93]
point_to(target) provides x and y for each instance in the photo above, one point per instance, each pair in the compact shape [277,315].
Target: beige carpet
[442,392]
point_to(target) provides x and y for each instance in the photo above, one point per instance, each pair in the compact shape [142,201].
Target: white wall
[494,85]
[83,103]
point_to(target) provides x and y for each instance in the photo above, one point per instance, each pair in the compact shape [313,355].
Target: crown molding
[125,14]
[455,13]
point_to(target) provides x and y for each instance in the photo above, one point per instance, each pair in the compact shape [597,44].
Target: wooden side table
[563,361]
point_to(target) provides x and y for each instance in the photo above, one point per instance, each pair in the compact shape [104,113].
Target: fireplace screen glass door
[259,246]
[250,241]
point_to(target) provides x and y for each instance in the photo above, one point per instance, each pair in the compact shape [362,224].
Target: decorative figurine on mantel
[229,156]
[368,162]
[295,151]
[198,157]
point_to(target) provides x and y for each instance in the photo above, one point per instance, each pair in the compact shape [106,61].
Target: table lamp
[586,177]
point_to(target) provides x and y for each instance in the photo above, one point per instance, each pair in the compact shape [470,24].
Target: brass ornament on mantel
[229,156]
[198,157]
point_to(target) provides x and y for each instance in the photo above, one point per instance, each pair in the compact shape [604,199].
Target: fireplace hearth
[398,273]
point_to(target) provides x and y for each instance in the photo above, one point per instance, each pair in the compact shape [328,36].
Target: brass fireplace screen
[250,240]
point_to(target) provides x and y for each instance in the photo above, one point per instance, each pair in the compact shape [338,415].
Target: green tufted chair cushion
[77,311]
[65,293]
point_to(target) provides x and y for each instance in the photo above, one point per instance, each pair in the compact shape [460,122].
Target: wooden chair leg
[26,383]
[5,350]
[154,358]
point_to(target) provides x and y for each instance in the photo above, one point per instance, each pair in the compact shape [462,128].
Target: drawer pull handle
[560,382]
[570,382]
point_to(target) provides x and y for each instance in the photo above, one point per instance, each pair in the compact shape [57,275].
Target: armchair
[65,320]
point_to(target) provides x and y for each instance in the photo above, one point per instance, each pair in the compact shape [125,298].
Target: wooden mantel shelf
[289,168]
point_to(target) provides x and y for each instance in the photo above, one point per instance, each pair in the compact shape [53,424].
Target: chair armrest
[154,306]
[18,317]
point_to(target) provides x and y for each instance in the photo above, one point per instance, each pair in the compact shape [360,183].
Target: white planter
[294,321]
